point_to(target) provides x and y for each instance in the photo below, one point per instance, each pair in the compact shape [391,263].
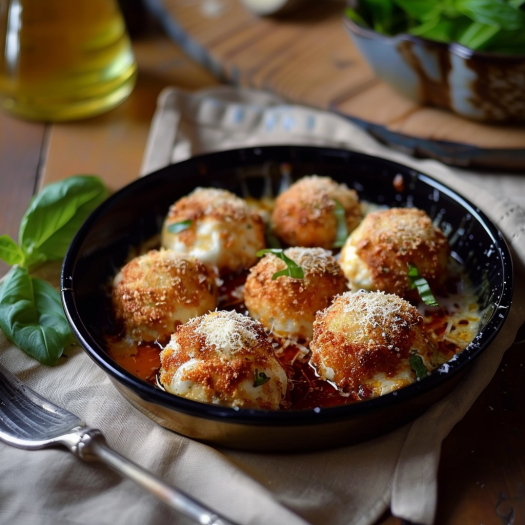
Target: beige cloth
[347,486]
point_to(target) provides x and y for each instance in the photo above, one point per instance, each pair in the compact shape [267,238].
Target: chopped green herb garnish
[416,281]
[259,378]
[418,366]
[342,229]
[177,227]
[291,270]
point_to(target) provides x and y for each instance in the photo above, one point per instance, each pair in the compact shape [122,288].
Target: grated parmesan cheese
[228,332]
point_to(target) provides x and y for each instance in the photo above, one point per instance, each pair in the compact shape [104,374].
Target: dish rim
[284,418]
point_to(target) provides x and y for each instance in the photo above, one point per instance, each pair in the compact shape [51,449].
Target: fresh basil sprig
[489,25]
[416,281]
[342,228]
[292,268]
[259,378]
[416,362]
[177,227]
[31,316]
[31,313]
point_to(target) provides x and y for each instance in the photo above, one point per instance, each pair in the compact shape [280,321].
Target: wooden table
[482,468]
[307,58]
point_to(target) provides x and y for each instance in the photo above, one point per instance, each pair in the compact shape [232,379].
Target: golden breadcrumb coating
[155,292]
[223,230]
[364,341]
[304,215]
[223,358]
[377,254]
[286,306]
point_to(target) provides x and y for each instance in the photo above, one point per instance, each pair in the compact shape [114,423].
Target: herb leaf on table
[55,214]
[31,316]
[31,313]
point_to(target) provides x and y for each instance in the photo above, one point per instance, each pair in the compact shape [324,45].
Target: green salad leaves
[31,313]
[486,25]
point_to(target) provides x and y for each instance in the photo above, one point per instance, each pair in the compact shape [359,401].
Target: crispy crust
[209,202]
[240,230]
[366,333]
[295,300]
[221,371]
[304,214]
[157,291]
[387,241]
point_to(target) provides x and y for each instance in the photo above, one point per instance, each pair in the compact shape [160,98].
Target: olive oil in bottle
[63,60]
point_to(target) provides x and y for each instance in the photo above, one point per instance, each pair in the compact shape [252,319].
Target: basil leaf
[418,366]
[356,17]
[477,35]
[380,11]
[416,281]
[342,228]
[32,317]
[420,9]
[177,227]
[10,252]
[259,378]
[496,13]
[291,270]
[55,214]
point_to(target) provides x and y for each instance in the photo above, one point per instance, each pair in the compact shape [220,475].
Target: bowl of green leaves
[464,55]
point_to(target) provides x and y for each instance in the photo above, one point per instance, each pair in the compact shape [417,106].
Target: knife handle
[89,444]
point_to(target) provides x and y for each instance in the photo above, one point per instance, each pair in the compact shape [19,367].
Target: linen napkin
[346,486]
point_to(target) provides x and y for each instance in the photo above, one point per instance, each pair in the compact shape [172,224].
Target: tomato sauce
[306,390]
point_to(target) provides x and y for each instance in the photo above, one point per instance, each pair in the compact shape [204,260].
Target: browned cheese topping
[217,227]
[304,215]
[211,203]
[157,291]
[216,358]
[286,306]
[387,241]
[364,334]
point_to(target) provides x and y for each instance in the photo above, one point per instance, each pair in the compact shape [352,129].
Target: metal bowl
[477,85]
[135,213]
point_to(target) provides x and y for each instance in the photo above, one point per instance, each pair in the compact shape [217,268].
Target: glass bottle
[62,59]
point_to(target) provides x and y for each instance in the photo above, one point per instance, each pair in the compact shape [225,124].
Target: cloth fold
[345,486]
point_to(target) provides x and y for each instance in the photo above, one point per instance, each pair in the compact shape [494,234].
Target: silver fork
[29,421]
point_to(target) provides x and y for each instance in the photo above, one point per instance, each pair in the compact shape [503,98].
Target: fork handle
[92,447]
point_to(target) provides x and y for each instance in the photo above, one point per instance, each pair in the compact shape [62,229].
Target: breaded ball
[364,341]
[286,306]
[155,292]
[377,254]
[223,358]
[221,229]
[305,214]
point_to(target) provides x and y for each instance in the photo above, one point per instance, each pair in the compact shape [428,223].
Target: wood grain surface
[111,145]
[307,58]
[21,148]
